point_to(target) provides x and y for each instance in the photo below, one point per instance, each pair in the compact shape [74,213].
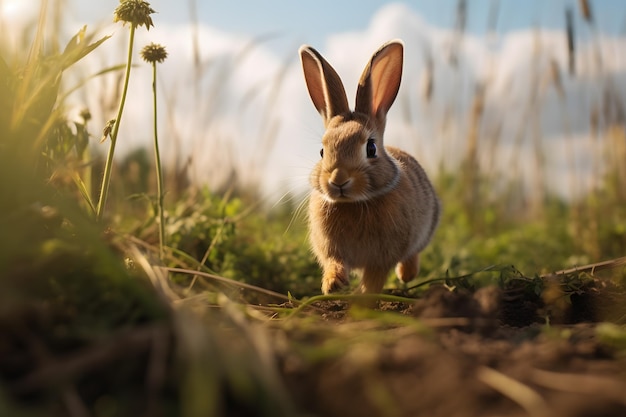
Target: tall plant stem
[108,168]
[157,164]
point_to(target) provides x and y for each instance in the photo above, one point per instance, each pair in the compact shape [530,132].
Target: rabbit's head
[354,164]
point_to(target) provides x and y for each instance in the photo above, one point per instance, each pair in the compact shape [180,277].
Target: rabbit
[371,207]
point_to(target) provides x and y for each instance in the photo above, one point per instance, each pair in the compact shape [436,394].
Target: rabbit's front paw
[335,278]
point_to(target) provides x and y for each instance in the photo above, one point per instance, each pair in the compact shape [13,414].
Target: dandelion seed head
[135,12]
[153,53]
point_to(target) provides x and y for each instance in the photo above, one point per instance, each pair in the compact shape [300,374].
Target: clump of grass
[36,132]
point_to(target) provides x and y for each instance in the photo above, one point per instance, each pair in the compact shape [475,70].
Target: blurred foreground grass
[84,331]
[79,297]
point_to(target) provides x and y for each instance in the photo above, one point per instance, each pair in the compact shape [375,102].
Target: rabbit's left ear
[324,85]
[380,81]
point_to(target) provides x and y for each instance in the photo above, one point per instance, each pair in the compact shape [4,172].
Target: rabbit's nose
[339,178]
[341,186]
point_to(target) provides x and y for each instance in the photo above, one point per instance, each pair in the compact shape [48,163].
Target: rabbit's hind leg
[408,269]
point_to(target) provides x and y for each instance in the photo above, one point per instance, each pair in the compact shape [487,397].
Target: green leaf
[75,50]
[75,41]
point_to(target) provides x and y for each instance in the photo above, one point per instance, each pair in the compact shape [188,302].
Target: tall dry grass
[596,195]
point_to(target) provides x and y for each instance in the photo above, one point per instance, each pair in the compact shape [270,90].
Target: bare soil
[489,353]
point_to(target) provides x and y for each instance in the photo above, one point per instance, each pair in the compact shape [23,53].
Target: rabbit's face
[354,165]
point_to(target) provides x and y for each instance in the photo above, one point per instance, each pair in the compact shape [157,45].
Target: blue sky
[313,21]
[335,16]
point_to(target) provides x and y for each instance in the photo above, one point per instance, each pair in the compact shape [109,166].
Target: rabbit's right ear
[380,81]
[324,85]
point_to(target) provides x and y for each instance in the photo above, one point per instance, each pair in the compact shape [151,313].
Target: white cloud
[251,104]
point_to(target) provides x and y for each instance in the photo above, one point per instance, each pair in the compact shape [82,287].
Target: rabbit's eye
[370,148]
[322,152]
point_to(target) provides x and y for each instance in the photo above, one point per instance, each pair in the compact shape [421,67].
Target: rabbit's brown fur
[371,207]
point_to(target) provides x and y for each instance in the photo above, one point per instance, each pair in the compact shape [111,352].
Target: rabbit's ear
[324,85]
[380,81]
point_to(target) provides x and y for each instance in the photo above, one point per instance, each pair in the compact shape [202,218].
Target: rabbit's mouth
[342,193]
[338,198]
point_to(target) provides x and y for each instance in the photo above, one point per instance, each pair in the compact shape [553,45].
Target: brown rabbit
[371,206]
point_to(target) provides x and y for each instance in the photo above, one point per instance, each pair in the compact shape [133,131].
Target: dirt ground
[483,354]
[497,351]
